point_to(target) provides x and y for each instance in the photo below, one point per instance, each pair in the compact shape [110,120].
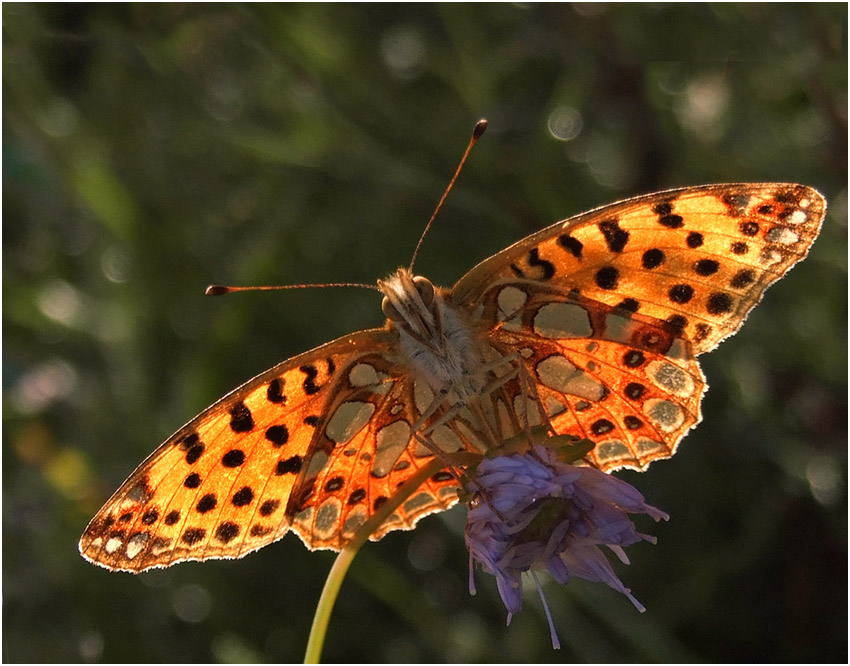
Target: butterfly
[591,327]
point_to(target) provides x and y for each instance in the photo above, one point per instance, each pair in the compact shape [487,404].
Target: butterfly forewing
[697,258]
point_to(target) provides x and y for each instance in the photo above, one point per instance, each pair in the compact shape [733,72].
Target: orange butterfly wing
[609,309]
[698,258]
[621,380]
[313,444]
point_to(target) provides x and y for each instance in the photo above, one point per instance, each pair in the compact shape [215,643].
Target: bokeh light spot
[565,123]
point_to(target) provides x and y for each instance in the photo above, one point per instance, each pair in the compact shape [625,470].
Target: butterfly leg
[521,418]
[529,393]
[487,425]
[492,430]
[498,424]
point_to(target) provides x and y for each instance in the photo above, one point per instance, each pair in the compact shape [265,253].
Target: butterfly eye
[425,288]
[390,311]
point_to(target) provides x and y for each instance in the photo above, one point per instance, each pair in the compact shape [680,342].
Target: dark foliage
[151,149]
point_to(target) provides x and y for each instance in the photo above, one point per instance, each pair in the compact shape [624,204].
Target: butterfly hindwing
[623,381]
[365,451]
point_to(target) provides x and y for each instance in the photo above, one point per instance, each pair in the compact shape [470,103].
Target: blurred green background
[149,150]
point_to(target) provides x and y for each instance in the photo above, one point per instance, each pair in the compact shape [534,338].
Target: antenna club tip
[480,126]
[216,290]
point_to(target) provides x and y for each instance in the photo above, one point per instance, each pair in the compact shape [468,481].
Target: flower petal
[533,512]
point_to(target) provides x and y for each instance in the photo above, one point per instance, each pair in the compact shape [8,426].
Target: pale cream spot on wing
[137,493]
[511,300]
[390,443]
[612,450]
[770,257]
[317,463]
[442,438]
[363,374]
[619,328]
[418,502]
[445,439]
[304,518]
[799,216]
[112,545]
[448,493]
[562,320]
[679,350]
[782,235]
[326,516]
[347,420]
[559,374]
[355,519]
[127,504]
[423,396]
[554,406]
[136,544]
[391,520]
[668,416]
[647,446]
[671,379]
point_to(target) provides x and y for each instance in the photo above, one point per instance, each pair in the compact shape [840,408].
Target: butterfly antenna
[220,289]
[480,126]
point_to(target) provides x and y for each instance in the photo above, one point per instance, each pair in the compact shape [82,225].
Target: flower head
[533,512]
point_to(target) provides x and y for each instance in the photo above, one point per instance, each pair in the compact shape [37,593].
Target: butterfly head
[410,302]
[436,338]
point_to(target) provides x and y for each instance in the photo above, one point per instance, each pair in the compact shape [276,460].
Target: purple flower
[533,512]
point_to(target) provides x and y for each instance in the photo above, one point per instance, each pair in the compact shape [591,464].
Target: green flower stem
[346,556]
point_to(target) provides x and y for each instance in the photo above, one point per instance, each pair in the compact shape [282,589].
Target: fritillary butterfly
[592,326]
